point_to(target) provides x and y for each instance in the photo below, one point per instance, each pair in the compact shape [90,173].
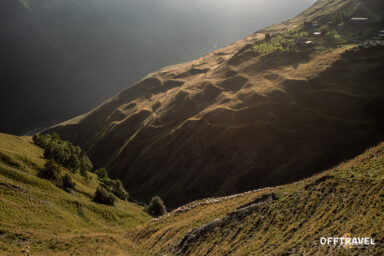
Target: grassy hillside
[250,115]
[52,221]
[285,220]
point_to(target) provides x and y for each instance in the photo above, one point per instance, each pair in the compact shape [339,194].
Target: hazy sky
[62,58]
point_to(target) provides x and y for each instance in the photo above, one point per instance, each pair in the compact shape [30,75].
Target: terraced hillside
[52,221]
[250,115]
[347,200]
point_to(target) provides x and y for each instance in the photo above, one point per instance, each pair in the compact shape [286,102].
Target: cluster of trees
[64,153]
[61,153]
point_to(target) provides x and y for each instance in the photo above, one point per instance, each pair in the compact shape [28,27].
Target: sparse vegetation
[156,207]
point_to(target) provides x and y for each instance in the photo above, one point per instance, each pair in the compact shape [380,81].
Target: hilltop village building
[381,34]
[359,19]
[304,43]
[358,22]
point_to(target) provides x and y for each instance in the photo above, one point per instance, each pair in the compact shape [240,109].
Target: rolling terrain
[284,220]
[250,115]
[52,221]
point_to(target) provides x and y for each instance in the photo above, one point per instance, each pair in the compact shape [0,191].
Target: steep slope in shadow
[269,120]
[193,146]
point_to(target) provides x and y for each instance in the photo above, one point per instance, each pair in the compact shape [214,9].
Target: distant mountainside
[250,115]
[61,58]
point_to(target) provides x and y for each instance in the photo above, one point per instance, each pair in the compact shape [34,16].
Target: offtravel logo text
[347,241]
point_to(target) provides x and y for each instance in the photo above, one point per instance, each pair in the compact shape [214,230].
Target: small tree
[119,191]
[51,171]
[86,165]
[101,173]
[73,163]
[102,196]
[156,207]
[116,187]
[68,182]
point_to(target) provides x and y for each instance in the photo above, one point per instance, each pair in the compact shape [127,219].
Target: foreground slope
[286,220]
[36,213]
[249,115]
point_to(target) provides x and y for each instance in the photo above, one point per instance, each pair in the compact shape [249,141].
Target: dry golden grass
[346,199]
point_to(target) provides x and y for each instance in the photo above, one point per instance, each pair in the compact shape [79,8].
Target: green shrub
[101,173]
[51,171]
[41,140]
[156,207]
[55,136]
[74,163]
[102,196]
[116,187]
[68,182]
[119,191]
